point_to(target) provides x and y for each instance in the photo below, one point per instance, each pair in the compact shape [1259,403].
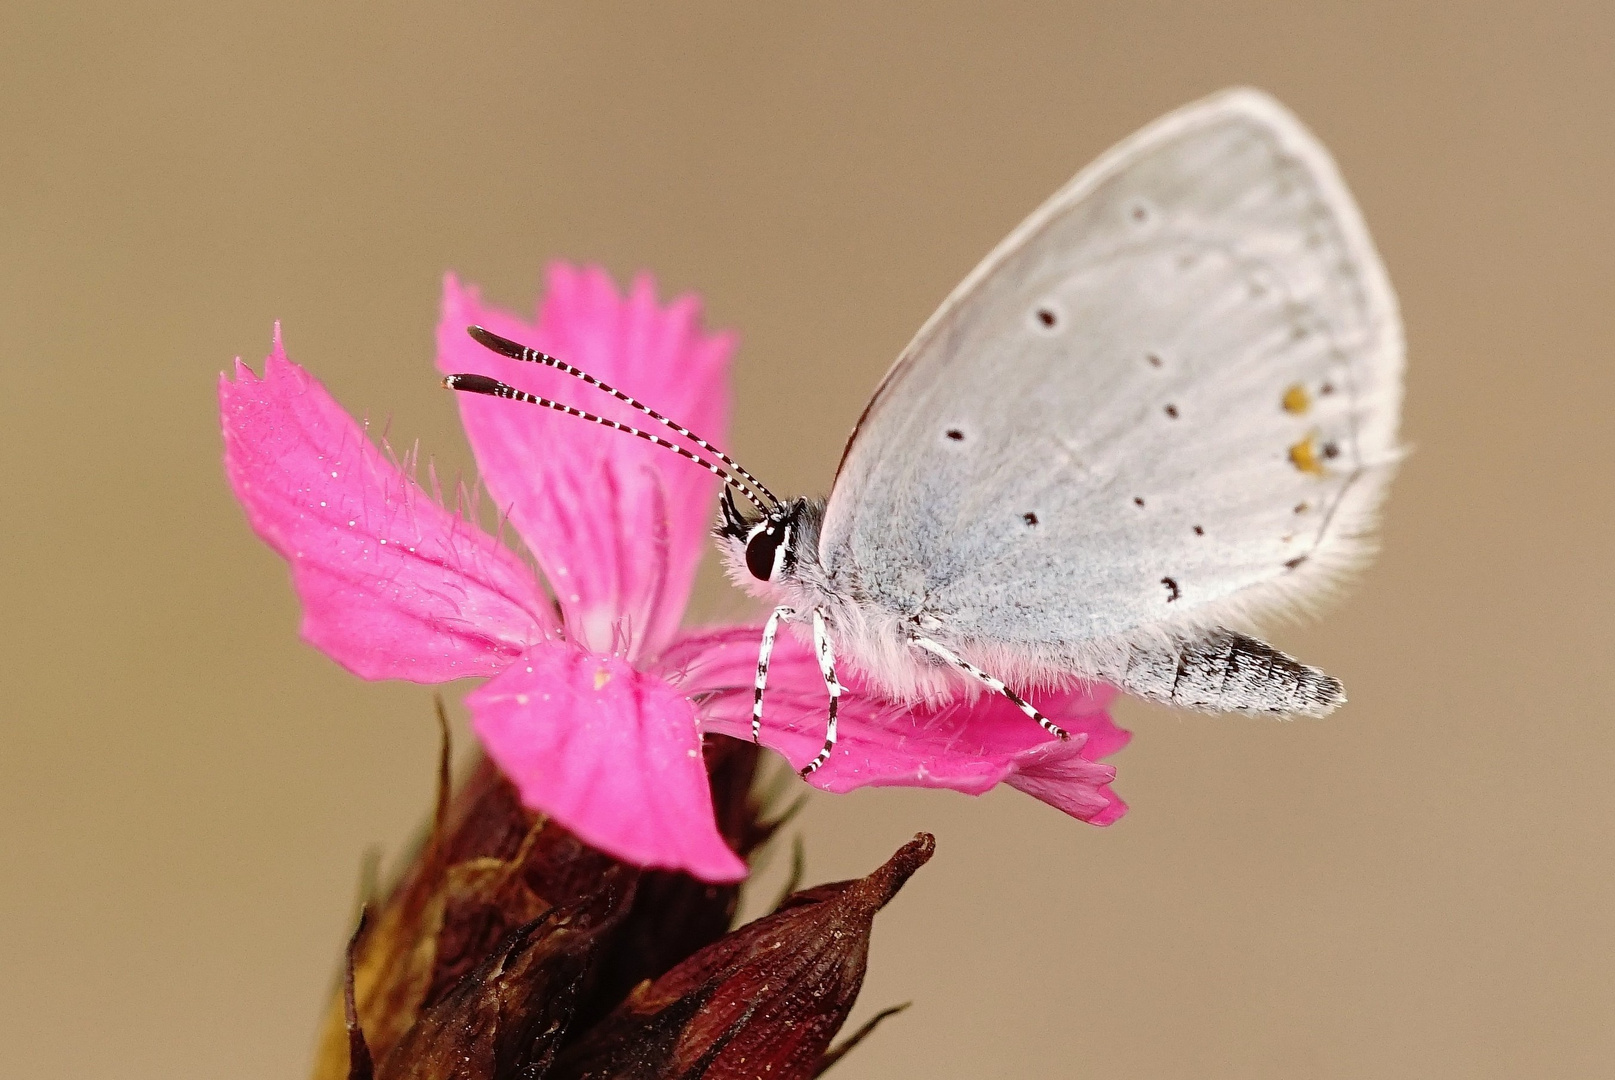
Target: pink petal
[967,745]
[1061,774]
[617,524]
[611,753]
[393,585]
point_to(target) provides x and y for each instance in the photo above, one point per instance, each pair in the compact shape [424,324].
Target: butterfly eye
[761,551]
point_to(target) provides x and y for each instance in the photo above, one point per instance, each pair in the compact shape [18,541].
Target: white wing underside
[1185,368]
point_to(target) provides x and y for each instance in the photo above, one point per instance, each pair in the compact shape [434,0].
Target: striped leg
[770,628]
[995,685]
[827,668]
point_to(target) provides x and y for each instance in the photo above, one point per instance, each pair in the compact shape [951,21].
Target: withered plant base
[510,949]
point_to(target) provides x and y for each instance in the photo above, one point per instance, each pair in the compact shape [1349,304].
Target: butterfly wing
[1168,399]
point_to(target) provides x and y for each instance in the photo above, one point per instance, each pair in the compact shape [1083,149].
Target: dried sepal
[764,1001]
[485,899]
[488,866]
[867,1028]
[505,1019]
[394,959]
[511,949]
[360,1064]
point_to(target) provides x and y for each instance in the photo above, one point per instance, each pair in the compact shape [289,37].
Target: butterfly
[1163,410]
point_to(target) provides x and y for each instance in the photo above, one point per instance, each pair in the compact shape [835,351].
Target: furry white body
[879,640]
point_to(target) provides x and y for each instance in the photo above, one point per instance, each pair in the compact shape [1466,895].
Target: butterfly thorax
[777,559]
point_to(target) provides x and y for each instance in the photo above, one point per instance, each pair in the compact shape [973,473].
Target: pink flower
[595,713]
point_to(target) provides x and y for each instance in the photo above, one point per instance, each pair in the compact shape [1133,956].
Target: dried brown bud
[765,1001]
[491,866]
[510,950]
[507,1016]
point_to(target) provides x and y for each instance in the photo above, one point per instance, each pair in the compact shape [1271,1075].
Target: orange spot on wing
[1297,400]
[1304,456]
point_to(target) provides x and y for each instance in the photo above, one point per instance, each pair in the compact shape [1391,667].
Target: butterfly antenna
[481,384]
[517,351]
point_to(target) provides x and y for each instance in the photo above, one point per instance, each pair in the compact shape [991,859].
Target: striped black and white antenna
[738,479]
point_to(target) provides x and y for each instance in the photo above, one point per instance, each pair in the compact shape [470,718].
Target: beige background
[1420,886]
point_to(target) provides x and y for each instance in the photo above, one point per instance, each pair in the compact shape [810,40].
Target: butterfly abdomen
[1230,672]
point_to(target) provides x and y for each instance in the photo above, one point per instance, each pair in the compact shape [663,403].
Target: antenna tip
[477,384]
[501,345]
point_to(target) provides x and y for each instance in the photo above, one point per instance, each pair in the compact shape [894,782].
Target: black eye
[760,551]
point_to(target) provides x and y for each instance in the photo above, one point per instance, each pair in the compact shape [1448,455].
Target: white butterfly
[1164,408]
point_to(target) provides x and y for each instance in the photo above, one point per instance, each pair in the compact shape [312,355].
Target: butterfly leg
[827,668]
[995,685]
[764,653]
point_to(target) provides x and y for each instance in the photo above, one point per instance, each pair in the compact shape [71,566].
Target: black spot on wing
[1047,319]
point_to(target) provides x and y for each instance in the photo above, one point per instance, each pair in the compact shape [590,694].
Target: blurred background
[1419,886]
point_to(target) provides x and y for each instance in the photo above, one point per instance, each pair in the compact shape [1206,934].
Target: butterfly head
[767,552]
[766,545]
